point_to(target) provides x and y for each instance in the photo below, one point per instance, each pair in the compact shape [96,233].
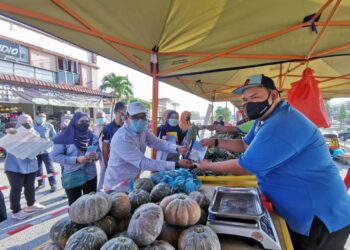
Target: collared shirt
[25,166]
[109,131]
[46,131]
[294,169]
[127,157]
[67,155]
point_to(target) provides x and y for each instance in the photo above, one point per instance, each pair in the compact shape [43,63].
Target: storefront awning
[14,89]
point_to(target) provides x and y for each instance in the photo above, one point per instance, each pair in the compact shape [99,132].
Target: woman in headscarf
[171,132]
[185,122]
[21,173]
[77,149]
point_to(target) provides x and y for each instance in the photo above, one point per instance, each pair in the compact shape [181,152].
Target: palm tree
[120,85]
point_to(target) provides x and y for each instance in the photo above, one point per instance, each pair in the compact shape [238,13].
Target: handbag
[74,179]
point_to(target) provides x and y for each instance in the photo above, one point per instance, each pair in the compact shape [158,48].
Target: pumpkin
[201,199]
[88,238]
[146,224]
[144,184]
[159,192]
[121,206]
[199,237]
[120,243]
[90,208]
[138,197]
[51,246]
[122,224]
[170,233]
[62,230]
[164,203]
[107,224]
[182,211]
[203,218]
[159,245]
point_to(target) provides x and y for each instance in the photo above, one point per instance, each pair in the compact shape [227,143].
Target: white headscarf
[22,118]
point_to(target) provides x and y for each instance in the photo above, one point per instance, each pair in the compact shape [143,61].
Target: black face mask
[255,110]
[188,118]
[83,127]
[27,125]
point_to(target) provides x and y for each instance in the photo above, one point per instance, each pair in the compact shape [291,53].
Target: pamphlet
[197,152]
[90,149]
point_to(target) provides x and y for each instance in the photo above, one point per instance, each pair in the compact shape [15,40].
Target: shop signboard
[10,93]
[13,52]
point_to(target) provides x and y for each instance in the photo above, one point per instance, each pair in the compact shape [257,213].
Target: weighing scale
[239,211]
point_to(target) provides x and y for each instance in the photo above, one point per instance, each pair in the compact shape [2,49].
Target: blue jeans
[49,168]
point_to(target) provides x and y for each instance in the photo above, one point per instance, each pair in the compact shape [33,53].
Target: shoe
[39,187]
[21,215]
[53,188]
[35,207]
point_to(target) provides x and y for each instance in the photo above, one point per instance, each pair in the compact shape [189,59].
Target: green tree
[120,85]
[225,112]
[342,114]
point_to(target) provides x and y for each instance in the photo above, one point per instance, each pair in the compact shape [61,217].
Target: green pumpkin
[146,224]
[159,245]
[121,205]
[122,224]
[90,208]
[159,192]
[107,224]
[120,243]
[138,197]
[62,230]
[201,199]
[88,238]
[199,237]
[143,183]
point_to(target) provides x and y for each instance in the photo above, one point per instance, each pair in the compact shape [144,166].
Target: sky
[141,82]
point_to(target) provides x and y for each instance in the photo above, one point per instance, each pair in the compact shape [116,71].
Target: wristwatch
[216,143]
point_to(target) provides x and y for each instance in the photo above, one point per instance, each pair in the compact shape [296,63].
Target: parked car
[344,135]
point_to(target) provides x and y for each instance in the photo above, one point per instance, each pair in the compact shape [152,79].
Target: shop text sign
[9,50]
[9,93]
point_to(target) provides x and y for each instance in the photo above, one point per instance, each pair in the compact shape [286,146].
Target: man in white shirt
[127,155]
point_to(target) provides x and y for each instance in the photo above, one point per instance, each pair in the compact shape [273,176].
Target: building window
[43,60]
[68,71]
[6,67]
[23,54]
[22,70]
[45,75]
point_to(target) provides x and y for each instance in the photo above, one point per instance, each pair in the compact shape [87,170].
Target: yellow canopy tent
[205,47]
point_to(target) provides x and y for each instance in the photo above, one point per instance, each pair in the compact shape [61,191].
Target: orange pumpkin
[182,211]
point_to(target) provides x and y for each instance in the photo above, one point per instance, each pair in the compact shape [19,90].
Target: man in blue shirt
[111,128]
[46,131]
[291,161]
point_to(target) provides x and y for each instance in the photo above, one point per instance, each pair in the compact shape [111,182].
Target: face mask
[255,110]
[138,126]
[173,122]
[40,120]
[122,118]
[83,127]
[27,125]
[100,121]
[188,118]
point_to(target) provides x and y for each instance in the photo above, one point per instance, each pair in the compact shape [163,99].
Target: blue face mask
[40,120]
[100,121]
[138,126]
[173,122]
[122,118]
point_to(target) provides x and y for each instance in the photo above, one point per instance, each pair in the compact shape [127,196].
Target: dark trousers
[320,238]
[3,214]
[74,193]
[17,181]
[45,158]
